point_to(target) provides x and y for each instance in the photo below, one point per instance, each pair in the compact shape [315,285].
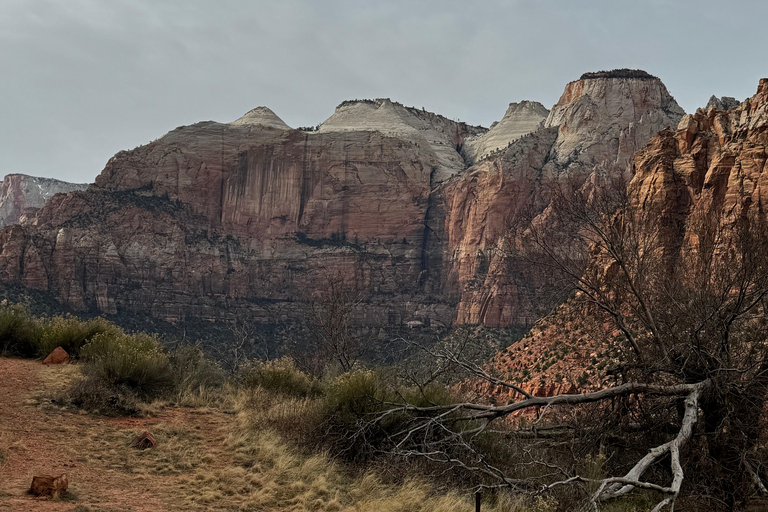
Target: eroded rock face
[218,221]
[245,220]
[713,167]
[596,126]
[22,195]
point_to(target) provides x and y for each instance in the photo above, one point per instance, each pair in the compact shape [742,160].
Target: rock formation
[57,356]
[724,103]
[520,119]
[713,167]
[596,126]
[22,195]
[247,219]
[48,485]
[219,221]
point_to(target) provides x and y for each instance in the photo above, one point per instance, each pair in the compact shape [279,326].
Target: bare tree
[330,314]
[691,317]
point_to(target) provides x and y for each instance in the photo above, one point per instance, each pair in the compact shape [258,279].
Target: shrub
[71,333]
[19,331]
[136,361]
[194,375]
[354,400]
[279,375]
[97,396]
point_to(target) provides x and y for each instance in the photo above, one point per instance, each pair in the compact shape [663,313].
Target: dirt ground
[105,474]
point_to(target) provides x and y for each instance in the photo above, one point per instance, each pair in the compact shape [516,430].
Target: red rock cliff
[597,125]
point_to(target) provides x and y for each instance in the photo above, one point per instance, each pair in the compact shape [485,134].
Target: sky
[83,79]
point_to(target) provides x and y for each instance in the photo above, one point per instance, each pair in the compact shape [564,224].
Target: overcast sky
[83,79]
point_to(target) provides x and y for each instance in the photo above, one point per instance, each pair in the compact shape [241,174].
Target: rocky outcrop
[57,356]
[724,103]
[520,119]
[22,195]
[713,166]
[48,485]
[596,126]
[218,221]
[603,120]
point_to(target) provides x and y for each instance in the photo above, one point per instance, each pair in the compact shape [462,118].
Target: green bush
[354,400]
[279,375]
[71,333]
[19,331]
[193,371]
[136,361]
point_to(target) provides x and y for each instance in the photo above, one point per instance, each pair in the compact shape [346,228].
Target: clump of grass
[99,397]
[136,361]
[197,380]
[278,375]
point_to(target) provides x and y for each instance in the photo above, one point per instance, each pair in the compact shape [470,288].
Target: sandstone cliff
[596,126]
[217,221]
[713,167]
[520,119]
[22,195]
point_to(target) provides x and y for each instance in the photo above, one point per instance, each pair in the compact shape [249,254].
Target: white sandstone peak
[261,116]
[520,119]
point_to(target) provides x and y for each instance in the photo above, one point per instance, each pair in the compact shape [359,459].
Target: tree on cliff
[689,391]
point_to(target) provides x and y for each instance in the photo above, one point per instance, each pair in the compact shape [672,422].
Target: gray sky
[83,79]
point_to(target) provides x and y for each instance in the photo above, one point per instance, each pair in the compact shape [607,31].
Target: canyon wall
[250,219]
[707,176]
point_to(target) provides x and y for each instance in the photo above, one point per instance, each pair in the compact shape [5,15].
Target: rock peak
[637,74]
[520,119]
[724,103]
[261,116]
[617,111]
[762,90]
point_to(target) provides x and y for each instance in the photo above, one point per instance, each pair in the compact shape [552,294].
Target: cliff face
[596,126]
[247,219]
[22,195]
[714,166]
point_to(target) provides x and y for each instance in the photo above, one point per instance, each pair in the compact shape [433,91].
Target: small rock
[48,485]
[144,441]
[58,356]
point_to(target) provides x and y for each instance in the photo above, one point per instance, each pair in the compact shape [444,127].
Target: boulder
[48,485]
[144,441]
[58,356]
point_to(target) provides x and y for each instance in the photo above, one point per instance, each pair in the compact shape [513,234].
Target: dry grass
[241,455]
[240,461]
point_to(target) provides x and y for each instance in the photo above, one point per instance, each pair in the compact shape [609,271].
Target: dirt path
[104,473]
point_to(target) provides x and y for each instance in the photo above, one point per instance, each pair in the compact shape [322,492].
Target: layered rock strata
[596,126]
[713,166]
[249,219]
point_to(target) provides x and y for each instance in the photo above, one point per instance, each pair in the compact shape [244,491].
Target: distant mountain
[249,219]
[22,195]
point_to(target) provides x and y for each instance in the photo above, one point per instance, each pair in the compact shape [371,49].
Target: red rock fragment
[58,356]
[49,485]
[144,441]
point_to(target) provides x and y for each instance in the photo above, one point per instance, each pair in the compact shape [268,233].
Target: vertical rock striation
[596,126]
[217,221]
